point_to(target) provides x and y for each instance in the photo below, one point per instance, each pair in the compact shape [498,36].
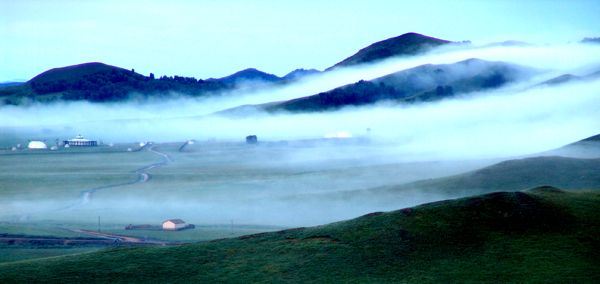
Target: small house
[174,224]
[251,139]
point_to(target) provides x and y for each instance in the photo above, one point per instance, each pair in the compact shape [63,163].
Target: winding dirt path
[86,196]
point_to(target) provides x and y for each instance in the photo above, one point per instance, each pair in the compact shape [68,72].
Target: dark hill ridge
[98,82]
[422,83]
[252,74]
[406,44]
[73,73]
[298,73]
[542,235]
[249,74]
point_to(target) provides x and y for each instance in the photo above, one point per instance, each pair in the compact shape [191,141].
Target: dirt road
[86,196]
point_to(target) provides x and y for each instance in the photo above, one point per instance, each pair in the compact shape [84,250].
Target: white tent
[37,145]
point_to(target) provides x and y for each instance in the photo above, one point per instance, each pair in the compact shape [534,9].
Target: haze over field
[514,120]
[427,142]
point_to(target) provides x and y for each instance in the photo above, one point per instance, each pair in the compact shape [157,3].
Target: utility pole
[98,223]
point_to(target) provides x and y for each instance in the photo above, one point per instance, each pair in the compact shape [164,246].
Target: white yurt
[37,145]
[67,146]
[54,148]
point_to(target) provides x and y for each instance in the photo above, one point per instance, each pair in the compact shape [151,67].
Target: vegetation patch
[540,235]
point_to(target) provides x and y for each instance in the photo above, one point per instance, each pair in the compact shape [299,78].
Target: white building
[80,141]
[37,145]
[174,224]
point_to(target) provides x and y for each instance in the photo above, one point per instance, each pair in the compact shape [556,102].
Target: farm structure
[176,225]
[169,225]
[80,141]
[251,139]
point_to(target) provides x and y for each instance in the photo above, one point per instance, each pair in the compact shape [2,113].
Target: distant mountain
[98,82]
[508,43]
[406,44]
[6,84]
[423,83]
[591,40]
[298,73]
[252,74]
[247,75]
[571,78]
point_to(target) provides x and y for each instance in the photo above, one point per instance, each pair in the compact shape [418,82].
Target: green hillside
[422,83]
[540,235]
[512,175]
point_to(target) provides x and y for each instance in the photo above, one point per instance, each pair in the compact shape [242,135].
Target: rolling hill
[422,83]
[571,78]
[252,75]
[248,75]
[406,44]
[515,175]
[98,82]
[535,236]
[588,148]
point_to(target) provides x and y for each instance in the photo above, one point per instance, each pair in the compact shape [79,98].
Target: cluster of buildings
[169,225]
[77,141]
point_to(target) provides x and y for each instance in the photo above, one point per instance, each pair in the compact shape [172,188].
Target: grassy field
[210,184]
[11,255]
[46,182]
[541,235]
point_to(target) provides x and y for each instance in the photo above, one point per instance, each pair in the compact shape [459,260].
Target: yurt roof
[79,138]
[37,145]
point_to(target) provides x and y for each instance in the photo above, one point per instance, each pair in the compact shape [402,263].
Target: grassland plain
[212,183]
[46,182]
[208,184]
[540,235]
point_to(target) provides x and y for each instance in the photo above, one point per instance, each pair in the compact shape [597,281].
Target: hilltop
[98,82]
[406,44]
[250,74]
[540,235]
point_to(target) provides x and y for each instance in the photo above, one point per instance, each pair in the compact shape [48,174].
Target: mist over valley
[403,122]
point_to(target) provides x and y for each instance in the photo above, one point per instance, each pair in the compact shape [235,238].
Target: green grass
[44,182]
[530,237]
[39,229]
[12,255]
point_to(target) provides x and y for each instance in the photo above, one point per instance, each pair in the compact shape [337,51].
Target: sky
[205,39]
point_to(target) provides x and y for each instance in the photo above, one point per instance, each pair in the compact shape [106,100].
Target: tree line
[116,85]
